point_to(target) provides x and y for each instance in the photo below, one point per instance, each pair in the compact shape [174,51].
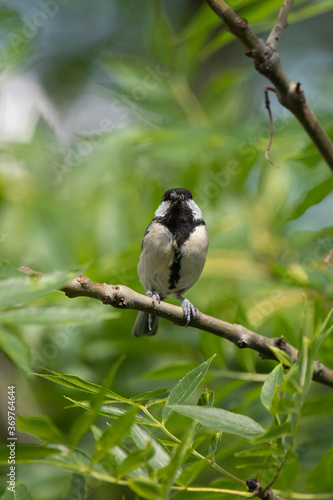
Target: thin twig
[267,62]
[123,297]
[280,25]
[268,107]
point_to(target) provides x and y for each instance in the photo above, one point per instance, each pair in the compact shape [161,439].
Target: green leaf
[114,434]
[274,432]
[150,395]
[41,427]
[78,489]
[29,453]
[18,290]
[21,493]
[272,382]
[76,382]
[191,472]
[314,196]
[146,488]
[82,425]
[222,420]
[291,381]
[281,356]
[15,349]
[261,451]
[141,437]
[320,479]
[185,387]
[135,460]
[55,316]
[214,444]
[322,333]
[109,411]
[206,398]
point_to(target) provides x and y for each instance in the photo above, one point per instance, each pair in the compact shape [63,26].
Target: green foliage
[183,414]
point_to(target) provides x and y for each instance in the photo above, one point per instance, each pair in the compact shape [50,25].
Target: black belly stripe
[175,270]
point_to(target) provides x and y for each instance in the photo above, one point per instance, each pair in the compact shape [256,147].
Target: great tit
[173,254]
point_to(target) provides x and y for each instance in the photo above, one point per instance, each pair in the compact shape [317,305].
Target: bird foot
[155,297]
[189,310]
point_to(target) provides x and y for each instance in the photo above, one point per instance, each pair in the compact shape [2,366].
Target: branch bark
[123,297]
[267,62]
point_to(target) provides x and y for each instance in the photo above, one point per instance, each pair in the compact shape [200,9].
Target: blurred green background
[104,106]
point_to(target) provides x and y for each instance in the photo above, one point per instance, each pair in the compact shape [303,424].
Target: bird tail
[141,325]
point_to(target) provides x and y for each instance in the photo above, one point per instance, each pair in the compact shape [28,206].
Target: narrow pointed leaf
[135,460]
[185,387]
[191,472]
[222,420]
[114,434]
[146,488]
[41,427]
[17,351]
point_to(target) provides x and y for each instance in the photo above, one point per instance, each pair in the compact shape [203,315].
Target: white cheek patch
[162,209]
[197,215]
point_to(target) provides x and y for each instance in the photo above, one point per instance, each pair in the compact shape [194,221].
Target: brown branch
[280,25]
[267,62]
[122,297]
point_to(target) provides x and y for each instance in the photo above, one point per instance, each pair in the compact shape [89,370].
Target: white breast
[158,255]
[156,259]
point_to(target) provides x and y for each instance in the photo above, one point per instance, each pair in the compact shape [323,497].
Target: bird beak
[176,197]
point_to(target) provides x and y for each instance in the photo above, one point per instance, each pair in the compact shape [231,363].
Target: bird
[173,255]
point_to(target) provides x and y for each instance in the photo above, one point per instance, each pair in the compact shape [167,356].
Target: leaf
[272,382]
[150,395]
[15,349]
[214,444]
[141,437]
[314,196]
[109,411]
[261,451]
[29,453]
[114,434]
[274,432]
[82,425]
[18,290]
[146,488]
[55,316]
[135,460]
[76,382]
[222,420]
[320,479]
[191,472]
[41,427]
[78,489]
[281,356]
[185,387]
[322,333]
[21,493]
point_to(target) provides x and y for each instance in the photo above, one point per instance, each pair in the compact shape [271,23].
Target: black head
[177,194]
